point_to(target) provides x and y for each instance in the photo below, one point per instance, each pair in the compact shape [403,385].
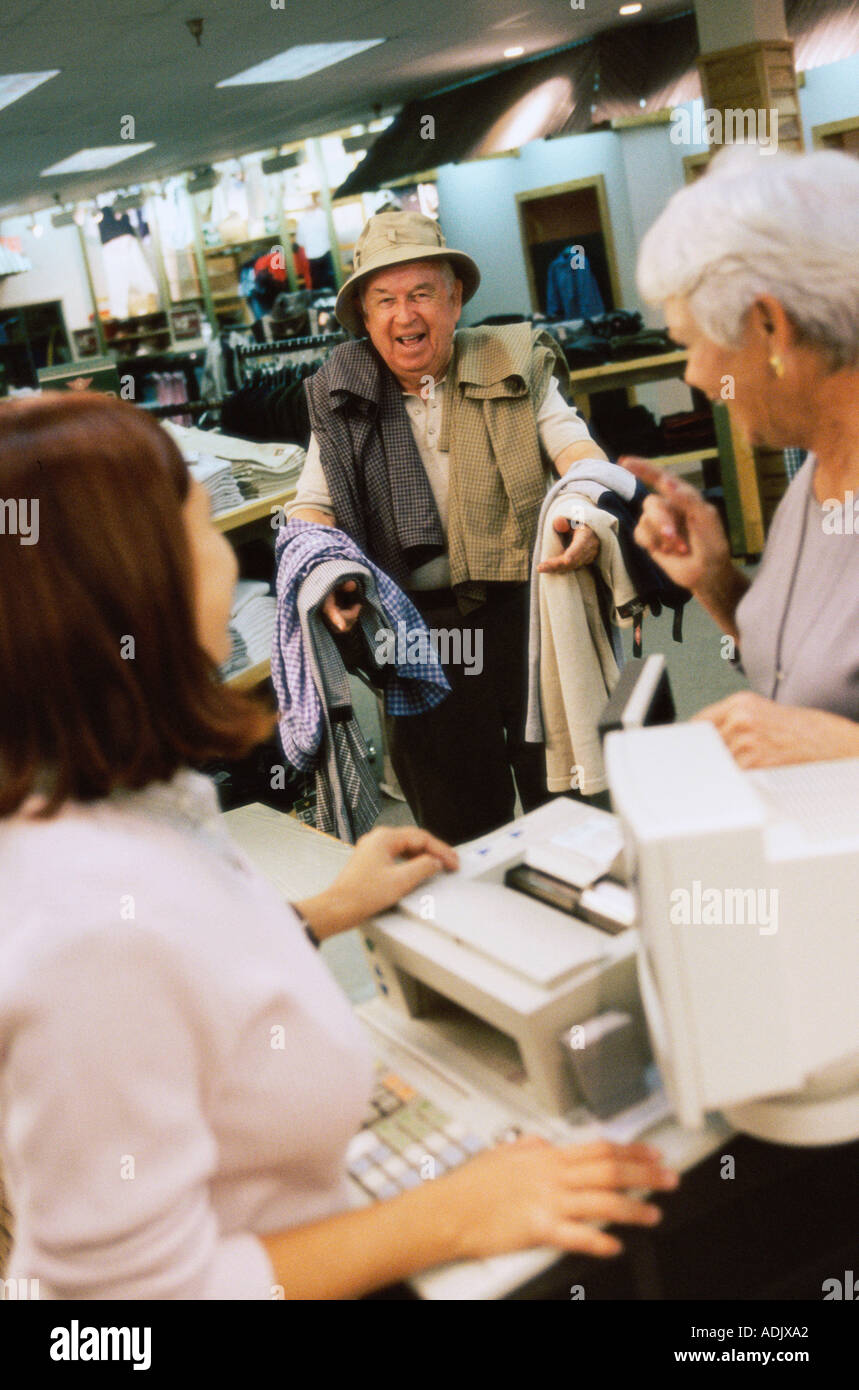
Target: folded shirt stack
[264,477]
[216,475]
[238,658]
[253,618]
[259,470]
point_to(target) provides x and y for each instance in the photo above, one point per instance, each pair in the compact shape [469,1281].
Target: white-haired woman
[757,270]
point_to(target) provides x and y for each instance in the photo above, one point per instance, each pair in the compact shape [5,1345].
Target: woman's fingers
[662,481]
[605,1148]
[580,1239]
[408,841]
[643,469]
[660,528]
[680,497]
[614,1207]
[413,872]
[613,1173]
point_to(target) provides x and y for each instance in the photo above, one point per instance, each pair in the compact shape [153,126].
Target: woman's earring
[777,365]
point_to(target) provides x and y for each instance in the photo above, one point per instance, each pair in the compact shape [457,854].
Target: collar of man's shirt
[419,395]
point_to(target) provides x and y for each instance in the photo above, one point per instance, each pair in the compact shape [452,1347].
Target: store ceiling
[136,57]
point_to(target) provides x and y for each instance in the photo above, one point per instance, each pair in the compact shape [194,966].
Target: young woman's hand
[384,866]
[513,1197]
[532,1193]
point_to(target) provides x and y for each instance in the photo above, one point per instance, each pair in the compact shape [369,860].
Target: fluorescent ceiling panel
[18,84]
[100,158]
[299,61]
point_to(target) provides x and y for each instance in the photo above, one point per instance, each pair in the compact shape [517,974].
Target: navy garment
[572,293]
[652,584]
[322,272]
[112,225]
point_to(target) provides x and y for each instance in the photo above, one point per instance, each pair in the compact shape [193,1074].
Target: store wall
[477,204]
[57,273]
[830,93]
[641,168]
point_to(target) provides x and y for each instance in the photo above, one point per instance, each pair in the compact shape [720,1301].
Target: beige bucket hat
[393,238]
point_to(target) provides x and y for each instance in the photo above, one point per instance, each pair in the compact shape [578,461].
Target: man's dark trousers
[456,763]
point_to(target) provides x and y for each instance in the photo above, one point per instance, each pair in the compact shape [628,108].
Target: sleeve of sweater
[106,1125]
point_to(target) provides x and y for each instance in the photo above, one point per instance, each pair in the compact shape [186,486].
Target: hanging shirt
[571,289]
[312,233]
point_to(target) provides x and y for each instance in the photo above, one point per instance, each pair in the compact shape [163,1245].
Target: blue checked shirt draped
[317,728]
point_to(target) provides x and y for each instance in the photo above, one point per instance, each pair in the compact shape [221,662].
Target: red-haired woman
[155,1143]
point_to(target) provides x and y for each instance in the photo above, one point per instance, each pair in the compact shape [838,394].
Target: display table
[736,457]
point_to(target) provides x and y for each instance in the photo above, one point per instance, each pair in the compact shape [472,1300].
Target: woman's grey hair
[781,225]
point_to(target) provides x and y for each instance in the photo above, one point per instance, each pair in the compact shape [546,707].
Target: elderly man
[430,448]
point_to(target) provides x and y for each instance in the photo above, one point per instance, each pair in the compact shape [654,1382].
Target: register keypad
[405,1139]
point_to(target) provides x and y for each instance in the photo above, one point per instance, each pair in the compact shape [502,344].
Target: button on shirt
[558,425]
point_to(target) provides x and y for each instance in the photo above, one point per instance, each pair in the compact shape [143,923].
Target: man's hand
[761,733]
[582,549]
[384,866]
[343,615]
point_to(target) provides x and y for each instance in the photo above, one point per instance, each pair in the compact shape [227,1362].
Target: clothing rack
[162,412]
[288,345]
[284,348]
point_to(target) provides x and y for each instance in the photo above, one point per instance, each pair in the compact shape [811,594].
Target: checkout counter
[498,1011]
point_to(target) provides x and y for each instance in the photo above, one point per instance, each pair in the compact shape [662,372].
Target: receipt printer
[504,975]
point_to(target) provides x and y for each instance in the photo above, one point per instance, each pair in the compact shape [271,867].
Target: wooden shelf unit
[248,515]
[838,135]
[251,676]
[736,457]
[224,278]
[252,511]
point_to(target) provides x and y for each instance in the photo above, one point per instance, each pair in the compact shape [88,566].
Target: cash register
[532,990]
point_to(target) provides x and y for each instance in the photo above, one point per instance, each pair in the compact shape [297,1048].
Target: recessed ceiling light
[630,9]
[100,158]
[513,52]
[18,84]
[299,61]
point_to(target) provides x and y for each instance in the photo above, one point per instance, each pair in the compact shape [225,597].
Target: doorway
[555,220]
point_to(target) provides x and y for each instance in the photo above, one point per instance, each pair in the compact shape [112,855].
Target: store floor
[699,675]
